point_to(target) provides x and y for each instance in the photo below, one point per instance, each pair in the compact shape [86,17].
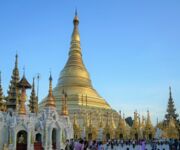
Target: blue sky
[131,48]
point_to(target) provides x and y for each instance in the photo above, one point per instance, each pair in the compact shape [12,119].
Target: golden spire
[136,121]
[64,110]
[124,120]
[33,102]
[75,79]
[148,121]
[23,85]
[149,130]
[143,122]
[50,100]
[120,123]
[75,35]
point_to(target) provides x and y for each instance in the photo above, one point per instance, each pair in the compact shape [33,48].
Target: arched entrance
[38,142]
[150,136]
[136,136]
[108,136]
[89,136]
[21,140]
[121,136]
[54,135]
[38,138]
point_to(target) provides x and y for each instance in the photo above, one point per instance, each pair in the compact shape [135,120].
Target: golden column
[23,85]
[76,127]
[64,109]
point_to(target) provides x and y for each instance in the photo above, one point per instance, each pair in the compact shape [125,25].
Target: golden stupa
[75,80]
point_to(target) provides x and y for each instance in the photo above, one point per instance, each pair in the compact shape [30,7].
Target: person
[134,144]
[100,146]
[143,146]
[67,147]
[175,144]
[107,146]
[86,145]
[94,146]
[71,145]
[79,145]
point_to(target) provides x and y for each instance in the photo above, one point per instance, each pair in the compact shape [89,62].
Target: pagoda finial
[24,71]
[170,93]
[76,13]
[76,19]
[50,100]
[16,61]
[75,37]
[50,82]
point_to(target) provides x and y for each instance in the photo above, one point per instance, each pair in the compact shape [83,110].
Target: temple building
[82,98]
[73,109]
[26,128]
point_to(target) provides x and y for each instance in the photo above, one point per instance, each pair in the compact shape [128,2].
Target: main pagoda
[74,79]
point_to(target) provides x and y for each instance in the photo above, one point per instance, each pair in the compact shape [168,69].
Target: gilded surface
[75,79]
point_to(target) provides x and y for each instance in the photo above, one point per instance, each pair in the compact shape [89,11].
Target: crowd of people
[83,144]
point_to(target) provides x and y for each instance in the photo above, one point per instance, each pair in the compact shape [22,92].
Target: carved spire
[23,85]
[33,102]
[136,121]
[13,92]
[64,109]
[171,111]
[50,99]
